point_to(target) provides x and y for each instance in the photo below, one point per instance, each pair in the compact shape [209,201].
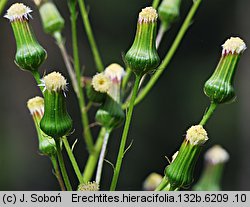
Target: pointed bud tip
[18,11]
[55,82]
[101,82]
[234,45]
[217,155]
[196,135]
[36,105]
[148,14]
[115,72]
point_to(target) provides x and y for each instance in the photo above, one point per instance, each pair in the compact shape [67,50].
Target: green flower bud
[180,172]
[169,11]
[215,159]
[219,87]
[142,57]
[47,145]
[110,114]
[30,54]
[51,18]
[56,121]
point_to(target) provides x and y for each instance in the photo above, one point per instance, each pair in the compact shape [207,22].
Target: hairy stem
[125,135]
[90,36]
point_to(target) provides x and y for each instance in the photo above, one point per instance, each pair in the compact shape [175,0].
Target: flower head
[101,83]
[18,11]
[216,155]
[196,135]
[115,72]
[54,82]
[90,186]
[234,45]
[147,14]
[152,181]
[36,105]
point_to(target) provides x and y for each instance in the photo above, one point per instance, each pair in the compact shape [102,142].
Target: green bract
[110,115]
[219,87]
[142,57]
[30,54]
[180,171]
[56,121]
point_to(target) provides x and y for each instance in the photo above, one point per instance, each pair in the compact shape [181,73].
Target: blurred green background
[160,121]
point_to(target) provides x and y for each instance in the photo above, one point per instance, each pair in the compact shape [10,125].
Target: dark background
[160,121]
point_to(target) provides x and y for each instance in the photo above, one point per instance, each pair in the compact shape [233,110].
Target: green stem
[2,5]
[163,184]
[208,113]
[61,45]
[170,53]
[93,157]
[126,79]
[125,135]
[57,172]
[37,78]
[160,35]
[90,36]
[102,156]
[84,116]
[155,3]
[72,159]
[62,166]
